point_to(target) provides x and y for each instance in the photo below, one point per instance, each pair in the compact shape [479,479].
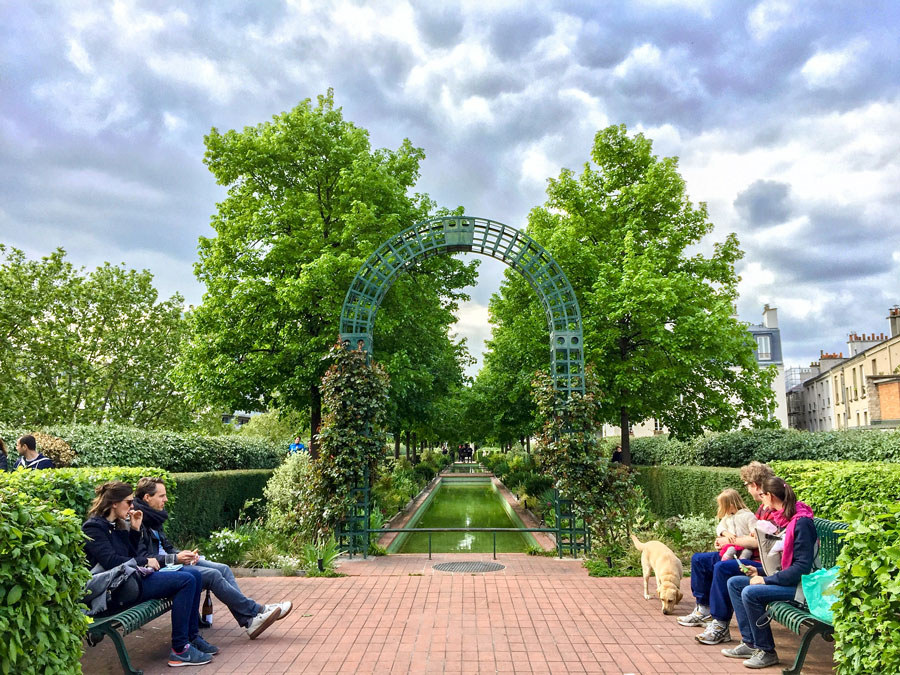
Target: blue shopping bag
[821,592]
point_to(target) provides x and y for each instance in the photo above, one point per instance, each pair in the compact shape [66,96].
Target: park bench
[127,620]
[794,616]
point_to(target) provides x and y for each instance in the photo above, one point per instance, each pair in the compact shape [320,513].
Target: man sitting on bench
[151,500]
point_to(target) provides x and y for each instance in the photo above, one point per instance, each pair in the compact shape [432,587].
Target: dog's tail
[637,543]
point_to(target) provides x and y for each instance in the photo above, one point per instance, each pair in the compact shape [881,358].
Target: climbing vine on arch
[604,493]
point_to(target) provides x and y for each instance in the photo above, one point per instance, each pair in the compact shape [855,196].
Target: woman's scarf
[801,511]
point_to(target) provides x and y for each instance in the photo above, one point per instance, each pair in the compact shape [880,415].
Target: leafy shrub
[74,488]
[286,487]
[867,630]
[213,500]
[327,551]
[698,533]
[42,579]
[114,445]
[227,546]
[737,448]
[828,487]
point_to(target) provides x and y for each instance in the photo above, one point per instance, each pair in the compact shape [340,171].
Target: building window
[874,366]
[763,348]
[865,417]
[657,426]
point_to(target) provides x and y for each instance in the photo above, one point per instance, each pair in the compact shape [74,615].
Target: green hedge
[42,575]
[113,445]
[681,490]
[738,448]
[211,501]
[74,488]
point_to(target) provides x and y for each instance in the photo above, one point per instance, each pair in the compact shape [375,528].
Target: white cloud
[79,58]
[767,17]
[831,68]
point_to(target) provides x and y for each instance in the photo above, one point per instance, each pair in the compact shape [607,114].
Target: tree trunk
[397,444]
[315,420]
[625,437]
[408,434]
[528,444]
[415,441]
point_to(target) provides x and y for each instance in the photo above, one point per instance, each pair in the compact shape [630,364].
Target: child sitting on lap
[735,520]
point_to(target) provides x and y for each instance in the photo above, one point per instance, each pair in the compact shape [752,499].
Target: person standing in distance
[29,457]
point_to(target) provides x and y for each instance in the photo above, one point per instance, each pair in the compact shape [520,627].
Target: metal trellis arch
[451,234]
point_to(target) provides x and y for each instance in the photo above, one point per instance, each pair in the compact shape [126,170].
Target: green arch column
[451,234]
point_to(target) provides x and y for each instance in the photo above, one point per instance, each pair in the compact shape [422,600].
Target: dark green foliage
[738,448]
[867,612]
[42,574]
[210,501]
[114,445]
[829,487]
[74,488]
[681,490]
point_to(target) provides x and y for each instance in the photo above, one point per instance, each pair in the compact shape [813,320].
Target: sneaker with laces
[761,659]
[742,651]
[262,621]
[189,657]
[695,618]
[200,643]
[715,633]
[284,608]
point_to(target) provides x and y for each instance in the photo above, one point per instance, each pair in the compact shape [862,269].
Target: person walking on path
[151,499]
[710,574]
[113,530]
[29,457]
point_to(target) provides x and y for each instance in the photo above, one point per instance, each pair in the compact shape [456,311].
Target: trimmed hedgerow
[42,577]
[114,445]
[681,490]
[737,448]
[211,501]
[74,488]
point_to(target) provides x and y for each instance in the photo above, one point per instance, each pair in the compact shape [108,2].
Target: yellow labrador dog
[658,558]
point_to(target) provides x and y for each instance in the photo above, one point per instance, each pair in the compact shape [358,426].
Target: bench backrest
[830,541]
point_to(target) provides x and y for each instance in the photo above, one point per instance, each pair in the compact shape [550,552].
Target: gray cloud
[765,202]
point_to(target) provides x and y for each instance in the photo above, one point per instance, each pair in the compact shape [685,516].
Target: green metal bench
[795,617]
[126,621]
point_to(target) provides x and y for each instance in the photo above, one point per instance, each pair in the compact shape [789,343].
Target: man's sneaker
[715,633]
[742,651]
[284,608]
[695,618]
[262,621]
[761,659]
[190,657]
[204,646]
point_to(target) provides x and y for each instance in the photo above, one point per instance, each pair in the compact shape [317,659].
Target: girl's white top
[741,523]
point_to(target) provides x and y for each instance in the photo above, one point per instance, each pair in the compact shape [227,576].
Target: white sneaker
[262,621]
[284,608]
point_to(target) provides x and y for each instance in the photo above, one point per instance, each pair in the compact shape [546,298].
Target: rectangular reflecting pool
[462,505]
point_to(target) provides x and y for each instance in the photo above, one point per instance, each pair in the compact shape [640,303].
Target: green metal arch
[451,234]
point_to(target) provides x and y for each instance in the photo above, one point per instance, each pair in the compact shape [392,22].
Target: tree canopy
[657,310]
[308,201]
[86,347]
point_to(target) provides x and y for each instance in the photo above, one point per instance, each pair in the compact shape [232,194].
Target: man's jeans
[709,582]
[750,605]
[183,587]
[220,580]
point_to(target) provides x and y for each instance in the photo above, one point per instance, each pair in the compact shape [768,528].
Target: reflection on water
[464,506]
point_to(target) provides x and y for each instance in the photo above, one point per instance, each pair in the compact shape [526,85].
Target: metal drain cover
[470,567]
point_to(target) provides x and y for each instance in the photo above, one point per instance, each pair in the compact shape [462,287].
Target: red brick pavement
[398,615]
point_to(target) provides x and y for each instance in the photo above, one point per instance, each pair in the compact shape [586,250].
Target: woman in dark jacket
[114,540]
[751,593]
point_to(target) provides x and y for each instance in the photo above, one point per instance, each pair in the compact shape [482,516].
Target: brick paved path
[398,615]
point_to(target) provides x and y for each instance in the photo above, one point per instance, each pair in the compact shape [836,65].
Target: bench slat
[132,618]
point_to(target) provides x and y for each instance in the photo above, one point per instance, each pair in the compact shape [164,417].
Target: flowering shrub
[227,546]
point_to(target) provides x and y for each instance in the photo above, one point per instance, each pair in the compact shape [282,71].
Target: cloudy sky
[784,115]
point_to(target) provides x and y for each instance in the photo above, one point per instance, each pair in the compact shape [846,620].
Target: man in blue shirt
[297,445]
[30,458]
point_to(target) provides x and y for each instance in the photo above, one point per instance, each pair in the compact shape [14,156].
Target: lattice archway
[451,234]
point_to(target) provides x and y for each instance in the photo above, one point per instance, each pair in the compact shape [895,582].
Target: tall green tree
[658,312]
[86,347]
[308,201]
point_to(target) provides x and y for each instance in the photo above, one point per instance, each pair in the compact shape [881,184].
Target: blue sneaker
[190,657]
[204,646]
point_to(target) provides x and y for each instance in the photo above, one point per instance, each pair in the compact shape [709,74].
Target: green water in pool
[464,506]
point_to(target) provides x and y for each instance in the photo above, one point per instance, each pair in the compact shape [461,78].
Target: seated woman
[113,541]
[751,593]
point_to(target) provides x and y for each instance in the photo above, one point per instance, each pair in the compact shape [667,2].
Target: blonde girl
[735,520]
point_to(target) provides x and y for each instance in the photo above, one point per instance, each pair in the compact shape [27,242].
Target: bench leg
[804,648]
[119,642]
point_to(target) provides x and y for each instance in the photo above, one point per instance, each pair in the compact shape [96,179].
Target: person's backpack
[771,547]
